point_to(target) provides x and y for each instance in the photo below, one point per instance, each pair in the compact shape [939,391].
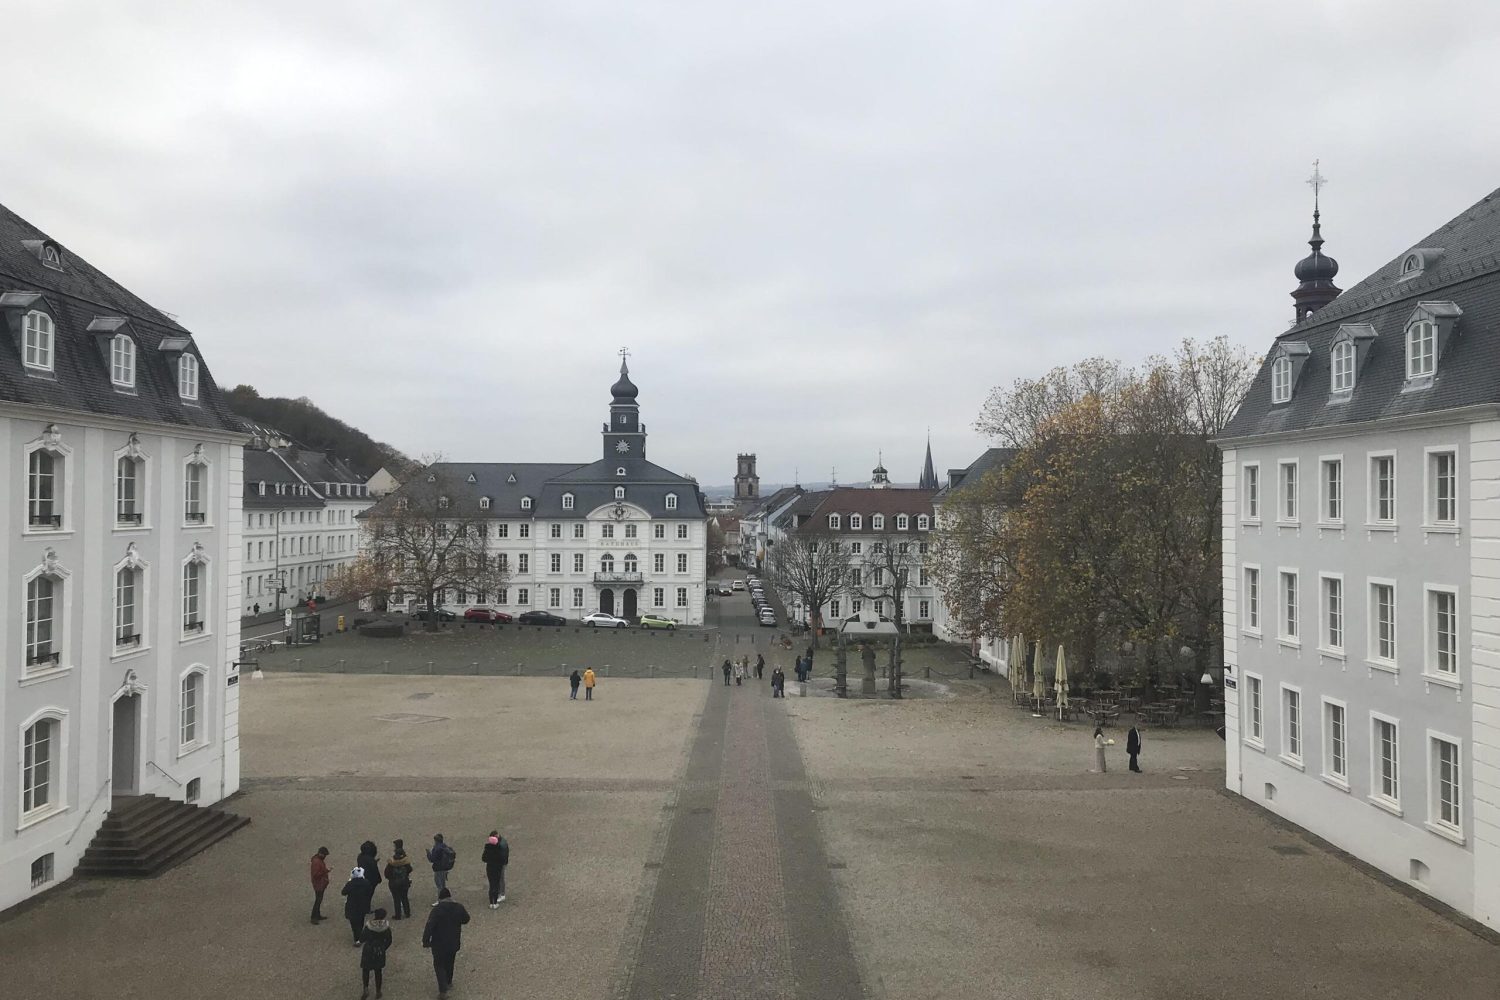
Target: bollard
[695,671]
[299,662]
[518,670]
[429,666]
[651,670]
[341,664]
[927,673]
[385,666]
[606,670]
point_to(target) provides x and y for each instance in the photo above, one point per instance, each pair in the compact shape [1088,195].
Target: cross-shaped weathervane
[624,353]
[1316,182]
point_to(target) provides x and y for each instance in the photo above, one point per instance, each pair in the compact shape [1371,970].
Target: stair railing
[87,811]
[152,763]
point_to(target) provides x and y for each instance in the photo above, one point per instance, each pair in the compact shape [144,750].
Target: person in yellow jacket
[588,684]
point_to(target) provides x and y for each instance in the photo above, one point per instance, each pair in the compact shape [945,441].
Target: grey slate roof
[78,296]
[767,504]
[803,507]
[991,459]
[267,467]
[1468,273]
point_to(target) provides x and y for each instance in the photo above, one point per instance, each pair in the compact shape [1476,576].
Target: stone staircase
[144,835]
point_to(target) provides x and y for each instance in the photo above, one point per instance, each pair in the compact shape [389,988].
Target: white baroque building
[119,596]
[992,651]
[301,524]
[1361,548]
[619,534]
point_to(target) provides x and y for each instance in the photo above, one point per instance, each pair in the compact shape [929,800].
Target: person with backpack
[573,683]
[375,937]
[442,858]
[496,856]
[357,893]
[398,879]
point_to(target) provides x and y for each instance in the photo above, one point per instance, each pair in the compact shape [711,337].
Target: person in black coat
[728,669]
[573,683]
[369,862]
[444,935]
[495,857]
[357,893]
[760,666]
[1133,748]
[375,936]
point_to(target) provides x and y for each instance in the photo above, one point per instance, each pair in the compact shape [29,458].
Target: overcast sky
[820,228]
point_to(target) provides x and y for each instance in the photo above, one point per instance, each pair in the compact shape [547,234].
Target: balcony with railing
[619,576]
[129,518]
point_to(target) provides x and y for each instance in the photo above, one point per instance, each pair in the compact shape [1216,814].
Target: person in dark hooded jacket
[573,681]
[444,935]
[375,936]
[369,862]
[357,893]
[398,880]
[496,856]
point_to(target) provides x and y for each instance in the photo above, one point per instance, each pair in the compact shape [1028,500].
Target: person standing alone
[319,882]
[442,858]
[760,666]
[727,671]
[398,880]
[496,856]
[588,684]
[444,935]
[1133,748]
[573,682]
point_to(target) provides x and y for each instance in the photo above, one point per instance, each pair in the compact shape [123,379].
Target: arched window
[193,596]
[122,361]
[902,522]
[51,257]
[620,471]
[187,376]
[631,565]
[189,707]
[43,603]
[671,501]
[41,753]
[606,563]
[1281,380]
[127,607]
[619,493]
[567,501]
[195,490]
[923,522]
[1421,349]
[1342,366]
[38,341]
[1411,265]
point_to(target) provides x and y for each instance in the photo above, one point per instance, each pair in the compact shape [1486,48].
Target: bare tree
[811,565]
[890,558]
[430,537]
[715,546]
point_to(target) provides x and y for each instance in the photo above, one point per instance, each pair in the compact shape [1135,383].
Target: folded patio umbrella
[1038,686]
[1062,681]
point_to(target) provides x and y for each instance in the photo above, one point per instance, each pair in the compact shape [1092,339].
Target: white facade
[1362,642]
[134,690]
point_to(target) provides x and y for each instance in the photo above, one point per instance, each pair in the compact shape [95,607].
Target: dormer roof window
[122,361]
[1285,369]
[46,251]
[39,339]
[484,503]
[187,376]
[1418,261]
[1428,332]
[620,471]
[526,503]
[567,500]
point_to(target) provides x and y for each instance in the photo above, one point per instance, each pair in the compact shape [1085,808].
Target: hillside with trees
[302,421]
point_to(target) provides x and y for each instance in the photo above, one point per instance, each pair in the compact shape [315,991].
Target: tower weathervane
[1316,182]
[624,353]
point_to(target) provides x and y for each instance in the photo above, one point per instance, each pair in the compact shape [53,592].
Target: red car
[486,615]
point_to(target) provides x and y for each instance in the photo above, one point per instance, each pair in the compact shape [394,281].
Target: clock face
[622,447]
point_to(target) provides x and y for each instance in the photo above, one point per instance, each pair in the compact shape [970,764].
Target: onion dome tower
[1316,271]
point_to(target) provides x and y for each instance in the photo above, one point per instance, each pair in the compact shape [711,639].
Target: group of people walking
[587,679]
[737,671]
[368,924]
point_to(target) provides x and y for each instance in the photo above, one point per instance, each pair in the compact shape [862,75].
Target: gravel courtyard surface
[984,860]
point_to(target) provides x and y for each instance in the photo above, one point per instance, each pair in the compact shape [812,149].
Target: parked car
[768,618]
[486,615]
[658,621]
[603,619]
[422,614]
[541,618]
[738,585]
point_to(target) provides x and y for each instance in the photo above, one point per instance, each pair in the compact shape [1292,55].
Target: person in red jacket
[319,882]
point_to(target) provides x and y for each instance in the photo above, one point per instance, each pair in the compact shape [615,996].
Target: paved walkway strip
[744,906]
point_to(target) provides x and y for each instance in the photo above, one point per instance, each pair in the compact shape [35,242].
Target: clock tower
[624,436]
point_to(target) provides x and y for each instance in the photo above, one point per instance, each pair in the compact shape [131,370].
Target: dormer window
[1281,380]
[620,471]
[877,523]
[619,493]
[401,504]
[856,522]
[526,503]
[567,501]
[38,341]
[902,522]
[1411,266]
[833,522]
[442,503]
[122,361]
[262,487]
[1418,261]
[671,501]
[1421,349]
[923,522]
[1341,364]
[484,503]
[187,376]
[50,256]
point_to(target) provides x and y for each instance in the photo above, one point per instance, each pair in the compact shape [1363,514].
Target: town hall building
[619,534]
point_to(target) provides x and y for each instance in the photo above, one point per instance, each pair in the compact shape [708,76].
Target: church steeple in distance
[624,435]
[1316,271]
[928,481]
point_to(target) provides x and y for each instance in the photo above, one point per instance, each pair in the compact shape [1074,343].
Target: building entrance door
[124,748]
[629,605]
[607,601]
